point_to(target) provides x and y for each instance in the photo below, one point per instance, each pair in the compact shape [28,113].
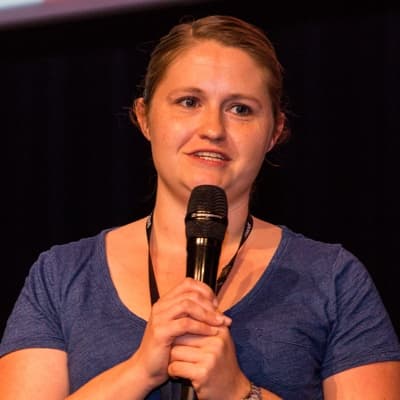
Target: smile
[208,155]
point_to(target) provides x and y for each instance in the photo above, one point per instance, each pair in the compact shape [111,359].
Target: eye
[241,109]
[188,101]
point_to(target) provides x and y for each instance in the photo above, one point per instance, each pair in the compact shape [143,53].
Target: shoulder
[306,252]
[63,262]
[125,233]
[295,243]
[343,285]
[324,270]
[72,251]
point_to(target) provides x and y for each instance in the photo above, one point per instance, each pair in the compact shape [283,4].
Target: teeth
[209,155]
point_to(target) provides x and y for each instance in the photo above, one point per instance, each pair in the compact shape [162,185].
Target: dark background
[74,164]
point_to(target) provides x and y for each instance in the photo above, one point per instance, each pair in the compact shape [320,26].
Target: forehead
[210,56]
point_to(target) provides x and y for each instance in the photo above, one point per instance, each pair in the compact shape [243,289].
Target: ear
[276,134]
[141,117]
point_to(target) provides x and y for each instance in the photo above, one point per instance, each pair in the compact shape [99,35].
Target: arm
[378,381]
[42,374]
[34,373]
[362,335]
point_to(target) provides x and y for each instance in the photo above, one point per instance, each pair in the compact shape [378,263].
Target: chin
[213,182]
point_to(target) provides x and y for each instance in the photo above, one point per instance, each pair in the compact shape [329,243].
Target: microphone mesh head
[207,213]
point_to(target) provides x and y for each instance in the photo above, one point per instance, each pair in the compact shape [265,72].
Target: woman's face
[210,121]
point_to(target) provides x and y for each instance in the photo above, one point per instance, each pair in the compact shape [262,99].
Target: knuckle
[184,324]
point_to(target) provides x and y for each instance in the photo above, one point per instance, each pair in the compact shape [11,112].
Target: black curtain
[74,164]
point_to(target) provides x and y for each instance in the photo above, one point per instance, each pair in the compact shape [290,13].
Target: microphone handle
[202,264]
[202,259]
[187,391]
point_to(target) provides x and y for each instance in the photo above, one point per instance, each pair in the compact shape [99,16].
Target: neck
[169,221]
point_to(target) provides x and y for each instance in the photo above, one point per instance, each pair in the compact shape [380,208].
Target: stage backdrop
[74,164]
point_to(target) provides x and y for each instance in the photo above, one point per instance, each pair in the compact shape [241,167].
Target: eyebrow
[233,96]
[187,89]
[240,96]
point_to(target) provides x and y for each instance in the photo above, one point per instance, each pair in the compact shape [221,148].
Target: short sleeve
[361,331]
[34,321]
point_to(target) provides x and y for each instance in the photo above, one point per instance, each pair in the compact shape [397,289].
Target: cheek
[266,140]
[258,157]
[252,155]
[256,142]
[167,137]
[171,134]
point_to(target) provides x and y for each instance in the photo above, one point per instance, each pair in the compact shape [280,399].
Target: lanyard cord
[154,293]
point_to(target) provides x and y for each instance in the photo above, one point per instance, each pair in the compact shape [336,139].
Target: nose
[213,125]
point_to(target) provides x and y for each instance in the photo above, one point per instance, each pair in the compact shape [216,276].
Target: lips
[210,155]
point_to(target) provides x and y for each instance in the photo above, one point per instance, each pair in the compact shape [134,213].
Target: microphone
[205,222]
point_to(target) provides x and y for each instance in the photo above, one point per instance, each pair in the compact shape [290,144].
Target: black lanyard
[154,293]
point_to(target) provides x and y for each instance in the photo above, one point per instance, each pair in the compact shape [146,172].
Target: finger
[190,354]
[186,370]
[191,304]
[192,285]
[190,326]
[192,362]
[199,310]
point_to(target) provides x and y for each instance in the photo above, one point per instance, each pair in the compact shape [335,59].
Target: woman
[294,319]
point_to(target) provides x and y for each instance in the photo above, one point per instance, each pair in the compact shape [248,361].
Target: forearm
[125,381]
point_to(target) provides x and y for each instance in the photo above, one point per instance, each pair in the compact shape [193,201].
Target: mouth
[210,156]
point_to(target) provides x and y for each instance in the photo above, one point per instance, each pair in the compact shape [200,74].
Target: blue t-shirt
[314,312]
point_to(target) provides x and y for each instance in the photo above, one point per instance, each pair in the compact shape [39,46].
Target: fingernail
[227,320]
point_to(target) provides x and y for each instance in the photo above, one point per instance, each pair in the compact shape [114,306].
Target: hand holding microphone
[206,222]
